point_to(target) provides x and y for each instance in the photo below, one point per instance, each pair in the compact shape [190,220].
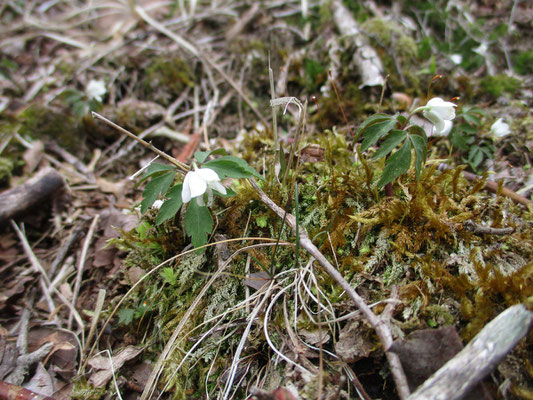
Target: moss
[496,85]
[43,123]
[167,77]
[523,62]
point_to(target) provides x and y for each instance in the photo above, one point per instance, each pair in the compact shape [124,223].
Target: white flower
[199,181]
[456,59]
[440,113]
[95,90]
[500,128]
[445,130]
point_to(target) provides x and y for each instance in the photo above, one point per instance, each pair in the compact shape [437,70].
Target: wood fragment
[471,226]
[479,357]
[33,193]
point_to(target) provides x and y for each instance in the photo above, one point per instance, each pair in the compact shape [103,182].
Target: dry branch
[32,193]
[381,328]
[479,357]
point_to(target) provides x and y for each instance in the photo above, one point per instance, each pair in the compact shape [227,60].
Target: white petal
[444,109]
[445,128]
[197,184]
[434,118]
[219,187]
[207,174]
[186,190]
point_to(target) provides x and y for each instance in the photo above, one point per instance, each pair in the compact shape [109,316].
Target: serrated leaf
[154,188]
[198,223]
[376,131]
[396,165]
[172,205]
[232,167]
[154,168]
[201,156]
[420,146]
[394,138]
[374,119]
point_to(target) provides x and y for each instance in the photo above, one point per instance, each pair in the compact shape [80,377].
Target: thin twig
[183,167]
[81,265]
[382,330]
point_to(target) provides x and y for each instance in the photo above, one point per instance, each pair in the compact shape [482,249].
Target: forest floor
[333,239]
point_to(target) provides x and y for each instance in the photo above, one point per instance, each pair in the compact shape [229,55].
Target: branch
[382,329]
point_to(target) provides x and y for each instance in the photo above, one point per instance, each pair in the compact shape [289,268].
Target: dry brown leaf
[354,342]
[102,363]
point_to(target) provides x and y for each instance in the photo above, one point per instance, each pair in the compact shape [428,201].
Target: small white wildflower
[157,204]
[200,181]
[95,90]
[440,113]
[499,128]
[456,59]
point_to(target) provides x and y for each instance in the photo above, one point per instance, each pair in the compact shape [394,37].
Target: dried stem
[381,328]
[183,167]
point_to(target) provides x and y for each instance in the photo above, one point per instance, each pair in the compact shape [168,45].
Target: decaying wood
[479,357]
[33,193]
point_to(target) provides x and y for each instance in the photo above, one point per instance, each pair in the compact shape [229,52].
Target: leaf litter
[213,325]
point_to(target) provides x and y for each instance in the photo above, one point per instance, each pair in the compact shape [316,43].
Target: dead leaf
[103,363]
[354,342]
[316,337]
[41,382]
[257,280]
[116,188]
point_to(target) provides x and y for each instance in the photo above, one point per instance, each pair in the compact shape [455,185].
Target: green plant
[197,184]
[464,136]
[399,133]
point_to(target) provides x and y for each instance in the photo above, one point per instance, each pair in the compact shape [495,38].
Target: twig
[382,330]
[25,360]
[478,358]
[97,311]
[180,165]
[191,49]
[471,226]
[492,186]
[81,265]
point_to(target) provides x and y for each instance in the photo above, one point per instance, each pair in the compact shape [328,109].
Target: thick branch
[379,326]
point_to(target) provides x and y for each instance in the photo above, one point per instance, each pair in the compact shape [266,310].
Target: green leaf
[420,146]
[394,138]
[396,165]
[154,168]
[232,167]
[376,131]
[169,276]
[198,223]
[261,221]
[172,205]
[125,316]
[471,119]
[154,188]
[201,156]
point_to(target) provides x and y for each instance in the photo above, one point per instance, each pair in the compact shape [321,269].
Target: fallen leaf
[103,363]
[41,382]
[354,342]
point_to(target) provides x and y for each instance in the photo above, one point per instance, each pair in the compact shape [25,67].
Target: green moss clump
[523,62]
[43,123]
[167,77]
[496,85]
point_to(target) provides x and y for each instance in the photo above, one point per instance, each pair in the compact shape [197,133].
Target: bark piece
[424,351]
[32,193]
[479,357]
